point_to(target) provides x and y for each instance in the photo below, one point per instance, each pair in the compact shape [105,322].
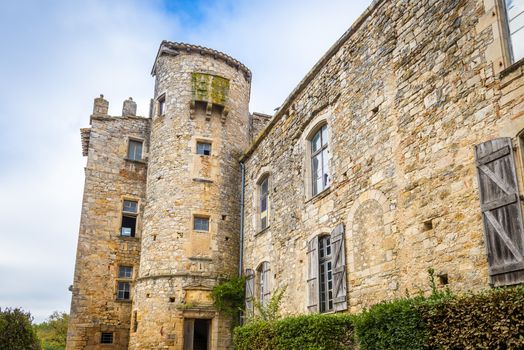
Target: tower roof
[174,48]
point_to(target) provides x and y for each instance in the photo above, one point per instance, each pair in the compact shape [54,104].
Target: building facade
[400,151]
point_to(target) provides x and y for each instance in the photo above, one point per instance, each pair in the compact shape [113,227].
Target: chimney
[101,106]
[129,108]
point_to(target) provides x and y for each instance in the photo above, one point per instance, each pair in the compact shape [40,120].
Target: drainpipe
[241,258]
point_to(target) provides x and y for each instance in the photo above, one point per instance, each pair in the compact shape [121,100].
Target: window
[515,27]
[319,160]
[263,189]
[124,287]
[263,283]
[125,272]
[162,105]
[134,150]
[200,224]
[325,274]
[327,286]
[124,290]
[203,148]
[129,214]
[106,338]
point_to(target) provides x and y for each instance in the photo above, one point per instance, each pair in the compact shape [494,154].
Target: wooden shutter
[250,288]
[338,263]
[312,275]
[501,211]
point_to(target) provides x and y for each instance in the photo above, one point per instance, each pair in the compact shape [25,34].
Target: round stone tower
[190,235]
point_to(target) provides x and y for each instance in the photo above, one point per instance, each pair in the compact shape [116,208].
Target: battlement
[101,107]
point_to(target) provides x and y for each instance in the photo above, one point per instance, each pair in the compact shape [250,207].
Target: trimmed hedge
[311,332]
[492,319]
[394,325]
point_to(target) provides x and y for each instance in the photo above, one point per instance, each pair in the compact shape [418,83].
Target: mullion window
[515,25]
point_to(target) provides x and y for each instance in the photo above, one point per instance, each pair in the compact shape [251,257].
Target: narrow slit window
[134,150]
[106,338]
[264,202]
[200,224]
[162,105]
[203,148]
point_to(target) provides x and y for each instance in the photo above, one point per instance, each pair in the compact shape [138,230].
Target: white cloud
[58,55]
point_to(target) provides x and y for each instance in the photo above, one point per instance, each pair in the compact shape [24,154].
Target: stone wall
[406,93]
[109,179]
[180,265]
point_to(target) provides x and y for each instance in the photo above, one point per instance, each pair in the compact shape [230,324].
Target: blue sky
[57,55]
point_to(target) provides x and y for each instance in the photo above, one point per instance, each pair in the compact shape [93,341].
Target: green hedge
[395,325]
[312,332]
[492,319]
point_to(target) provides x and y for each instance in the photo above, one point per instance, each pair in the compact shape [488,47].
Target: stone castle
[402,149]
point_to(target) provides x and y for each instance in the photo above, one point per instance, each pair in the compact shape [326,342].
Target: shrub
[16,332]
[228,296]
[391,325]
[309,332]
[493,319]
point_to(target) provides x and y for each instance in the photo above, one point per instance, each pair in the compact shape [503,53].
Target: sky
[57,55]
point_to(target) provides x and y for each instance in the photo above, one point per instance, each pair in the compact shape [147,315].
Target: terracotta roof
[174,48]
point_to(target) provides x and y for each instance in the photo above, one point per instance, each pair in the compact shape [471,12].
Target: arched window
[263,283]
[263,209]
[319,161]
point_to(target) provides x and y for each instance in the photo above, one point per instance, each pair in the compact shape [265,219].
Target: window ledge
[125,301]
[200,231]
[513,67]
[204,180]
[135,161]
[319,195]
[260,232]
[128,238]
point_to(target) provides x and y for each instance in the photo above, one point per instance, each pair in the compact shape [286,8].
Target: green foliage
[228,296]
[53,332]
[310,332]
[16,332]
[271,311]
[493,319]
[391,325]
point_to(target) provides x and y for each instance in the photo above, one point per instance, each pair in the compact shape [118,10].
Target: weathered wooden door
[189,333]
[501,211]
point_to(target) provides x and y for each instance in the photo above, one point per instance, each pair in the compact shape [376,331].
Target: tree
[53,332]
[16,331]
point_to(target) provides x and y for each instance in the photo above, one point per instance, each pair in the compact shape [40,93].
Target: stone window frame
[201,216]
[199,139]
[130,139]
[125,213]
[161,106]
[125,280]
[313,127]
[507,44]
[518,143]
[263,295]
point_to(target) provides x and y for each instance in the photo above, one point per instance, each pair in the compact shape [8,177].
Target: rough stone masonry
[400,150]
